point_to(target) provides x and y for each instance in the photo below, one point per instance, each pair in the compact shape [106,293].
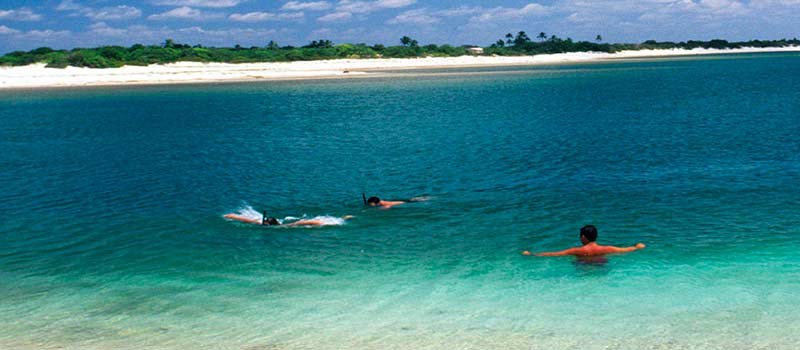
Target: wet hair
[271,221]
[590,232]
[373,200]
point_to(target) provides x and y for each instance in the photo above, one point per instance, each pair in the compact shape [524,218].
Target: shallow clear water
[113,235]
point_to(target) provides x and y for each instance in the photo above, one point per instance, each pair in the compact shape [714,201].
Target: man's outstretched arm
[570,251]
[626,249]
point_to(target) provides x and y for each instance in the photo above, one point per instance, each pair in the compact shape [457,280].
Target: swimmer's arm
[305,223]
[626,249]
[242,219]
[570,251]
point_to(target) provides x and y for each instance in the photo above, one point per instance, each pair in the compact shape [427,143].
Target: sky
[65,24]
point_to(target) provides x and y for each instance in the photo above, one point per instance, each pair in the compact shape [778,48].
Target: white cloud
[336,17]
[7,30]
[319,33]
[103,29]
[121,12]
[723,7]
[766,4]
[358,6]
[265,16]
[512,13]
[461,11]
[22,14]
[349,35]
[419,16]
[115,13]
[69,5]
[301,6]
[698,11]
[185,13]
[229,33]
[102,34]
[199,3]
[41,37]
[393,4]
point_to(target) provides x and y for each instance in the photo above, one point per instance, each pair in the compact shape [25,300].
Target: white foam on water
[326,220]
[250,213]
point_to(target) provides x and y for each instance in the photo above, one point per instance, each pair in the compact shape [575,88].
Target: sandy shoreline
[37,76]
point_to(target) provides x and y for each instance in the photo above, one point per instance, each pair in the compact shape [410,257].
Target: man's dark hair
[272,221]
[590,232]
[373,200]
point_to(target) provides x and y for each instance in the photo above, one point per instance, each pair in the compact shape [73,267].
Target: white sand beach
[37,76]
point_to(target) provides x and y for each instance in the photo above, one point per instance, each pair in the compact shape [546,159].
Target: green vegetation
[169,51]
[521,44]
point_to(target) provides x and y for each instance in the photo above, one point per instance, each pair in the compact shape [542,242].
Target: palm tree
[542,36]
[509,38]
[598,38]
[406,41]
[521,39]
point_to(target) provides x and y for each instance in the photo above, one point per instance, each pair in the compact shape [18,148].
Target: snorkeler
[377,202]
[590,247]
[270,221]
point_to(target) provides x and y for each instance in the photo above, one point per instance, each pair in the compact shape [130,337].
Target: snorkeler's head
[589,233]
[373,201]
[271,221]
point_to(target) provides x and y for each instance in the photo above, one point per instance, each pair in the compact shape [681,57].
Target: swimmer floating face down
[373,201]
[377,202]
[270,221]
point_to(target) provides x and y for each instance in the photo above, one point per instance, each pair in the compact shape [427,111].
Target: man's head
[271,221]
[588,234]
[374,201]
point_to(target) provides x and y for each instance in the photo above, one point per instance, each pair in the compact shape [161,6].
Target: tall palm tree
[542,36]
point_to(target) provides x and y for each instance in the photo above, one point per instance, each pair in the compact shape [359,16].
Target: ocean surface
[113,237]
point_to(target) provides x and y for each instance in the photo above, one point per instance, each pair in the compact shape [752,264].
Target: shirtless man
[377,202]
[269,221]
[590,247]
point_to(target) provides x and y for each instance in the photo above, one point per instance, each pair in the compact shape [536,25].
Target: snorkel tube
[264,218]
[364,197]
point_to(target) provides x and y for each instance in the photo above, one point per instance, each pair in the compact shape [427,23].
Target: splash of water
[325,220]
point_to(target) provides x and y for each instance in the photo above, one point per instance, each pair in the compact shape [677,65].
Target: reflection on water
[591,260]
[592,266]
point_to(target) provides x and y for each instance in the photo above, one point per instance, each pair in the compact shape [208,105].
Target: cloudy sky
[27,24]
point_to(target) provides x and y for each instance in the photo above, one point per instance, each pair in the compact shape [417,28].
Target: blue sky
[84,23]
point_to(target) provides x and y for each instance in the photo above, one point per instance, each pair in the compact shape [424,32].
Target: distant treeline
[521,44]
[170,52]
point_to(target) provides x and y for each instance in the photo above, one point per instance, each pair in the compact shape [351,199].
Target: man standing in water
[590,247]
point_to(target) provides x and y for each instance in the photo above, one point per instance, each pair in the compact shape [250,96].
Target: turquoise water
[113,235]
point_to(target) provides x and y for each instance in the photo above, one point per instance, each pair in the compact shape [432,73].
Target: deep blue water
[113,235]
